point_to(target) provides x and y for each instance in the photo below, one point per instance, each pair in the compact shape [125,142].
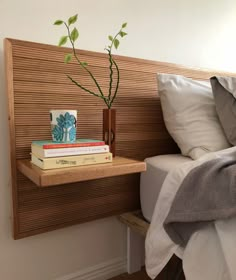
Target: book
[71,161]
[70,151]
[49,144]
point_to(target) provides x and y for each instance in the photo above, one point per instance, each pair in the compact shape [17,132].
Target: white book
[71,161]
[59,152]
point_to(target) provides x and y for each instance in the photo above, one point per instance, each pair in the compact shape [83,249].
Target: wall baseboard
[101,271]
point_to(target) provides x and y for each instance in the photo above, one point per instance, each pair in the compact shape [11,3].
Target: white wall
[193,33]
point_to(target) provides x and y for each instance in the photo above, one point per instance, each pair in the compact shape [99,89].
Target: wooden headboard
[36,83]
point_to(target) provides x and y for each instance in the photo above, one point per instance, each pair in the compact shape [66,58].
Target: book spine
[72,145]
[70,151]
[53,163]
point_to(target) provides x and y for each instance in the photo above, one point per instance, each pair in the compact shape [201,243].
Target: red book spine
[72,145]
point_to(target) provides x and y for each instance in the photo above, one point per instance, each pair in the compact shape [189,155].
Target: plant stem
[117,82]
[111,74]
[85,89]
[81,64]
[111,60]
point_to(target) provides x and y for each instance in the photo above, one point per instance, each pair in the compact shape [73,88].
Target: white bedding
[211,252]
[152,179]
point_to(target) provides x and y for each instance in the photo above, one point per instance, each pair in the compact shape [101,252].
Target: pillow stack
[190,115]
[224,90]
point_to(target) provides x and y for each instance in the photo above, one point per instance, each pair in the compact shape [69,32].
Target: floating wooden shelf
[52,177]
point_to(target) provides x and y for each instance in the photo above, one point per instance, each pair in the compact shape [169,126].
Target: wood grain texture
[37,83]
[135,221]
[109,129]
[11,120]
[47,178]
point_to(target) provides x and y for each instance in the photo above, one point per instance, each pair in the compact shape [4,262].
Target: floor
[137,276]
[172,271]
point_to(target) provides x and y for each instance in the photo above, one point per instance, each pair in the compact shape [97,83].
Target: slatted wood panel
[36,83]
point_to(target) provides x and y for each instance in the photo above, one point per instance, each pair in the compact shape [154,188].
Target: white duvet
[210,253]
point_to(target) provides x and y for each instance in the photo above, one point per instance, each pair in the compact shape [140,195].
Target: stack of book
[51,155]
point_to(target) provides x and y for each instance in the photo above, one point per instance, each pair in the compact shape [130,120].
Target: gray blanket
[207,193]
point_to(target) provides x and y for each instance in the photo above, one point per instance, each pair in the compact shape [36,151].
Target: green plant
[72,36]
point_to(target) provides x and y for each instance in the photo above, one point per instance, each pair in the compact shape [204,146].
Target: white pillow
[190,115]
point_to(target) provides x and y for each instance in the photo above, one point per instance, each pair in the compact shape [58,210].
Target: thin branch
[81,64]
[89,91]
[117,83]
[111,74]
[111,64]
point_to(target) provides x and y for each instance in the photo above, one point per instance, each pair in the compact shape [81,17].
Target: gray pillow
[224,91]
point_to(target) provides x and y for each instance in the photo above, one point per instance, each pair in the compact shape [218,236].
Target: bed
[190,199]
[152,180]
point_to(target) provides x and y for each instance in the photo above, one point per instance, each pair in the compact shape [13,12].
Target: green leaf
[74,34]
[122,33]
[84,63]
[110,38]
[124,25]
[116,43]
[68,58]
[72,19]
[62,41]
[58,22]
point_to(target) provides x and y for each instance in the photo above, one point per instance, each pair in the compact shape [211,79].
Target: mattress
[152,179]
